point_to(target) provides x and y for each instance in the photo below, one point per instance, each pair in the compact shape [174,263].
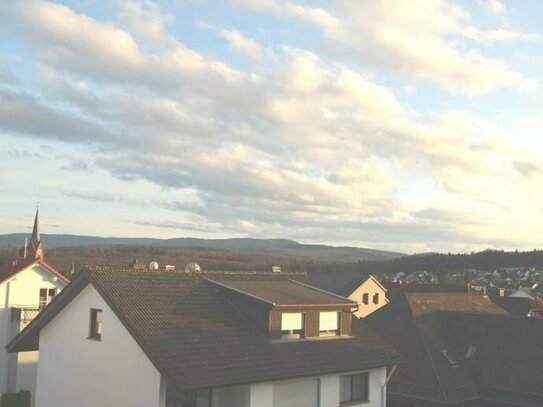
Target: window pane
[52,292]
[43,297]
[376,298]
[99,322]
[344,388]
[300,393]
[365,298]
[359,387]
[203,398]
[291,321]
[328,321]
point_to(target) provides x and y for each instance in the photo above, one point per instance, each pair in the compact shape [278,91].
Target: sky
[412,126]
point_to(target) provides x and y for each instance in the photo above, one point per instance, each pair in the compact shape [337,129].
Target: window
[46,296]
[376,298]
[328,323]
[202,398]
[296,393]
[95,331]
[353,387]
[365,298]
[292,325]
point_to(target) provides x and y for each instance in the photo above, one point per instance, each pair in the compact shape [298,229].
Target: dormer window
[329,323]
[292,325]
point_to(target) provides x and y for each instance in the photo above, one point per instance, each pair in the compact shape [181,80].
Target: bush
[20,399]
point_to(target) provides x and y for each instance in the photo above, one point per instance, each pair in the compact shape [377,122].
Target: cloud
[25,115]
[424,46]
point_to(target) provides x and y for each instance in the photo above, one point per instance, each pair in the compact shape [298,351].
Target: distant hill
[270,247]
[484,260]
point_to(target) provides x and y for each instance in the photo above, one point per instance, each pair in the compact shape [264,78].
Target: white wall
[261,394]
[76,371]
[371,287]
[22,291]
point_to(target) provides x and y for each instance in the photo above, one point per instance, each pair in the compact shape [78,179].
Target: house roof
[197,339]
[342,283]
[284,292]
[462,358]
[426,302]
[9,267]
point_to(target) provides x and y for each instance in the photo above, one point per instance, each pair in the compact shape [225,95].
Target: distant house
[27,284]
[119,337]
[366,290]
[461,355]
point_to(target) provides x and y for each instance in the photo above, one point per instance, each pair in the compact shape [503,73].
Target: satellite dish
[153,265]
[192,267]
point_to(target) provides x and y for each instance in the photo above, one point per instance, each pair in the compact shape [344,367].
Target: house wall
[76,371]
[371,287]
[261,394]
[22,291]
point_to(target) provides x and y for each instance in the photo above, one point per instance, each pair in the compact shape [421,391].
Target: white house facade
[95,352]
[370,295]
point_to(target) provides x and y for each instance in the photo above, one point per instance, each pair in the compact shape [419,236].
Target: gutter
[384,387]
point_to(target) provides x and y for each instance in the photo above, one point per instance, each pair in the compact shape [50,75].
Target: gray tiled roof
[342,283]
[196,339]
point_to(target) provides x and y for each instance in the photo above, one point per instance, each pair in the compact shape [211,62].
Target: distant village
[149,334]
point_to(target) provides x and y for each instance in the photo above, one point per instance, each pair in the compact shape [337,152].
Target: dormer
[288,310]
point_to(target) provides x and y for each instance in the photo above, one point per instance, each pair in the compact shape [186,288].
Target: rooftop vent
[192,267]
[450,358]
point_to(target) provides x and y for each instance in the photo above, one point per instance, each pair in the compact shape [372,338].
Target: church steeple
[36,246]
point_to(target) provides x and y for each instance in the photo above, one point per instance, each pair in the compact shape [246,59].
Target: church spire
[35,239]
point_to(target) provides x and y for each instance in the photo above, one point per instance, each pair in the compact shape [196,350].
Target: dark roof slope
[342,283]
[426,302]
[507,353]
[284,292]
[462,357]
[196,339]
[516,306]
[428,373]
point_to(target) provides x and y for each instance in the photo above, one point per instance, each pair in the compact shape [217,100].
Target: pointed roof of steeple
[35,238]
